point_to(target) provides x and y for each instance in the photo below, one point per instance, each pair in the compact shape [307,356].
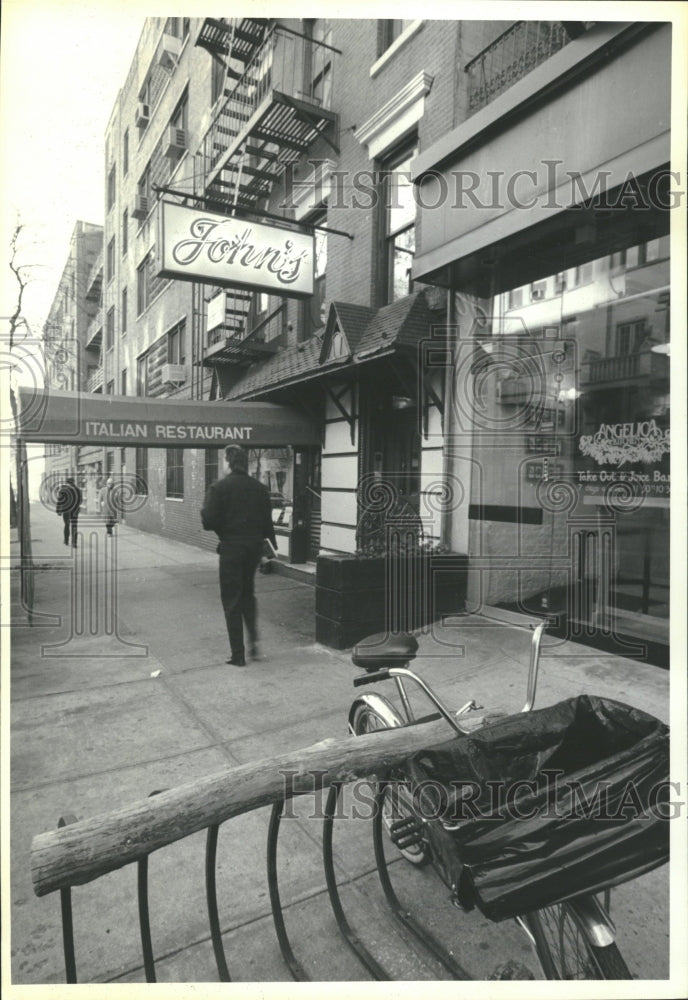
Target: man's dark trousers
[239,560]
[70,524]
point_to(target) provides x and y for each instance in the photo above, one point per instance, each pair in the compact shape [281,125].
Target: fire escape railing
[513,54]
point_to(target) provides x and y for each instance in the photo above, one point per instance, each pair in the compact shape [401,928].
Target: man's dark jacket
[238,507]
[69,499]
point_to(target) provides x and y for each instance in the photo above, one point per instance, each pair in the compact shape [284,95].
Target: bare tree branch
[16,269]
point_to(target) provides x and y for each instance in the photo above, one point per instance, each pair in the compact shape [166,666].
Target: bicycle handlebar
[377,675]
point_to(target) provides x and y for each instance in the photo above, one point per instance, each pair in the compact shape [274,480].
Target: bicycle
[573,938]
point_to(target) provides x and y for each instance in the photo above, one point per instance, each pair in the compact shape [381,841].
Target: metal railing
[287,62]
[80,852]
[94,327]
[95,380]
[512,55]
[95,279]
[620,367]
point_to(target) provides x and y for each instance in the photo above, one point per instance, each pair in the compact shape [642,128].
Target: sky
[61,67]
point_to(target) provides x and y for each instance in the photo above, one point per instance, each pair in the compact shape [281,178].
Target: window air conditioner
[142,114]
[537,293]
[170,48]
[175,142]
[174,373]
[140,210]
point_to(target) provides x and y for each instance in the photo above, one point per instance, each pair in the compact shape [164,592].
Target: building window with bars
[142,471]
[175,474]
[110,329]
[399,239]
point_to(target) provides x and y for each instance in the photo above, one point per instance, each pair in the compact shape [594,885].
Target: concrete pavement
[107,707]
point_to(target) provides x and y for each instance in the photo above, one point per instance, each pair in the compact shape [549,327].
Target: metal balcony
[94,333]
[236,38]
[232,342]
[94,282]
[624,368]
[276,110]
[94,382]
[512,55]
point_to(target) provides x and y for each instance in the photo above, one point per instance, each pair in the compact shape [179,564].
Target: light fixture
[662,349]
[402,403]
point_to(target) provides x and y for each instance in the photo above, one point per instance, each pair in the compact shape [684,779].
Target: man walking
[68,504]
[237,509]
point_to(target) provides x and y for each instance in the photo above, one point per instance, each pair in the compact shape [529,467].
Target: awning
[50,416]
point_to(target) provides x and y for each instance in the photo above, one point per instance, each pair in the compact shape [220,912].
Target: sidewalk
[147,702]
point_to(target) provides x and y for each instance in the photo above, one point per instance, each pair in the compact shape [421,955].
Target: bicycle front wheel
[397,799]
[565,951]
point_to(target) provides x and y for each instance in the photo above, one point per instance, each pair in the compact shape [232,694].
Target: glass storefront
[572,442]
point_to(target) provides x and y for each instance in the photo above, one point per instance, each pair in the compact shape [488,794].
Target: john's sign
[196,245]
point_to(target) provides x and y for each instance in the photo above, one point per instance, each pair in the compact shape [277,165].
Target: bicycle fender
[597,925]
[377,703]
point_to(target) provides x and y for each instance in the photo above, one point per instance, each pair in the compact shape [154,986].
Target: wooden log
[83,851]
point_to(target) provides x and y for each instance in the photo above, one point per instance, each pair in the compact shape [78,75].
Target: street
[120,688]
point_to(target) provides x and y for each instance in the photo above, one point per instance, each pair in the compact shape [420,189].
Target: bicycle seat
[383,650]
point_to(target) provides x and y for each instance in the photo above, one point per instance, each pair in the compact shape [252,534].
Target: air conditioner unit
[537,293]
[170,47]
[175,142]
[140,210]
[174,373]
[142,114]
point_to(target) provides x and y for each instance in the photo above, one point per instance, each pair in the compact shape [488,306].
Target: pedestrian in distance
[237,508]
[108,505]
[68,504]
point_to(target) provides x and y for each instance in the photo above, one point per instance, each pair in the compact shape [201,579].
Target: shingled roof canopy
[352,335]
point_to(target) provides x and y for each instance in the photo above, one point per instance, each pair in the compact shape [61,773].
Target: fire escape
[276,103]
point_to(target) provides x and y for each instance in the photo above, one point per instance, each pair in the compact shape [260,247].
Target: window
[111,388]
[143,190]
[515,300]
[142,286]
[125,153]
[583,274]
[176,344]
[123,382]
[141,381]
[111,185]
[389,31]
[110,329]
[179,116]
[538,290]
[110,261]
[142,471]
[212,466]
[123,320]
[175,473]
[319,62]
[125,232]
[629,337]
[218,75]
[109,462]
[399,226]
[314,308]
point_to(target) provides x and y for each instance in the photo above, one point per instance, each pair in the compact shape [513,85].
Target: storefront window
[575,381]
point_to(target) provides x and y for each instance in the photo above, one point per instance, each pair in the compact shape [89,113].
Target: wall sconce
[402,403]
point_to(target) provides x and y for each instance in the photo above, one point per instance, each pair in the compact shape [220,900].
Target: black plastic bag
[546,805]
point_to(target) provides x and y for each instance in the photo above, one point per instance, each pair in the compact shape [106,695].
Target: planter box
[355,597]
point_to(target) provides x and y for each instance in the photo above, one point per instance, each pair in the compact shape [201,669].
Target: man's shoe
[237,661]
[255,654]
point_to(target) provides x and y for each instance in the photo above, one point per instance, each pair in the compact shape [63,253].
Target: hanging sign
[196,245]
